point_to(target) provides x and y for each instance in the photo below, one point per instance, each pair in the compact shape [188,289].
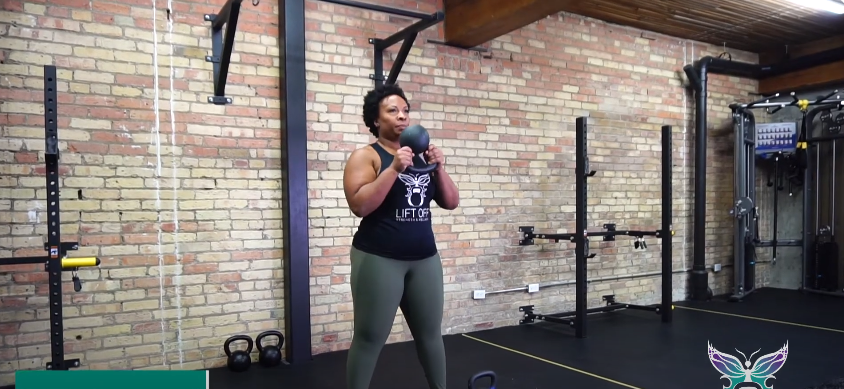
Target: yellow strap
[803,104]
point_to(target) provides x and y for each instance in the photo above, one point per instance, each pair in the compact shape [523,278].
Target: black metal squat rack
[580,237]
[56,261]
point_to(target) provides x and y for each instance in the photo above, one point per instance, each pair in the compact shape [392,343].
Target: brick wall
[180,198]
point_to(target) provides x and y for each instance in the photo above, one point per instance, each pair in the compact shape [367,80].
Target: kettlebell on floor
[269,355]
[238,360]
[473,382]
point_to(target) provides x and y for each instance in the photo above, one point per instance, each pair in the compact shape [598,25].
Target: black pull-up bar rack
[224,27]
[407,36]
[56,261]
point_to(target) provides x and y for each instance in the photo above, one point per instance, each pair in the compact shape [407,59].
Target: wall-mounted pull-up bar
[407,36]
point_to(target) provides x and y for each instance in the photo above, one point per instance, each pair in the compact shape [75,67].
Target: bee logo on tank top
[417,186]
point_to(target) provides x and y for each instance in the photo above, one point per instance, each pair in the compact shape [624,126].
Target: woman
[394,255]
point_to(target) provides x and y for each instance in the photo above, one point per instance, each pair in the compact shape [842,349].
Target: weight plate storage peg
[269,355]
[238,360]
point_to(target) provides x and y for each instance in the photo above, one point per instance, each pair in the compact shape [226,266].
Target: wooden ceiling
[752,25]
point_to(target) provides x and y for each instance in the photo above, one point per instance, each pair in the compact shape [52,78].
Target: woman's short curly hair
[372,101]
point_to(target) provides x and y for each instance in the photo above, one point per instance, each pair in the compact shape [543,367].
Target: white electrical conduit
[601,279]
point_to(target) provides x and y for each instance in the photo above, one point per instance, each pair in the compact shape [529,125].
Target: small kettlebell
[239,360]
[269,355]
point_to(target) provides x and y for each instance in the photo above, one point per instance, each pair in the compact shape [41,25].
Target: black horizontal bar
[552,236]
[650,308]
[763,100]
[730,68]
[622,232]
[758,72]
[607,308]
[24,260]
[410,31]
[66,246]
[379,8]
[782,242]
[570,236]
[553,319]
[785,103]
[225,13]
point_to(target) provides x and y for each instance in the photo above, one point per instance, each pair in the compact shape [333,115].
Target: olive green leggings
[379,287]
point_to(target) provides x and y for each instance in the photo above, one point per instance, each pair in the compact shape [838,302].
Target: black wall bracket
[407,36]
[221,48]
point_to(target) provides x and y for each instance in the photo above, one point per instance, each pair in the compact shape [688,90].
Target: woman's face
[393,117]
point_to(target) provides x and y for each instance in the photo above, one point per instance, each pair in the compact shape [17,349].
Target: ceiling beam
[795,51]
[826,75]
[469,23]
[820,74]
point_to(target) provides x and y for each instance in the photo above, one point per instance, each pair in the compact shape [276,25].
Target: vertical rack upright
[56,261]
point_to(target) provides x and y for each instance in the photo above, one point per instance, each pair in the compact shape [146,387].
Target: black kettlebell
[484,374]
[239,360]
[416,137]
[269,356]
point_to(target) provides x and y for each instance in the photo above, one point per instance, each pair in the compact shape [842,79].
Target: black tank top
[400,228]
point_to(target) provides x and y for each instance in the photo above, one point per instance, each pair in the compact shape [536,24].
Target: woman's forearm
[448,197]
[371,195]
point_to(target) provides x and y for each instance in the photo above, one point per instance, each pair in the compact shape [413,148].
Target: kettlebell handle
[227,344]
[264,334]
[423,170]
[484,374]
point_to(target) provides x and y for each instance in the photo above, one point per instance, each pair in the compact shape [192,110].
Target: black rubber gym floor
[398,368]
[632,349]
[782,305]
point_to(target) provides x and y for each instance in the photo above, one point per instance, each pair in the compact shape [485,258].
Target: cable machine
[794,154]
[56,261]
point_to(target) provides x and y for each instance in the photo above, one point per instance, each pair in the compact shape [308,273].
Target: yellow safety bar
[71,263]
